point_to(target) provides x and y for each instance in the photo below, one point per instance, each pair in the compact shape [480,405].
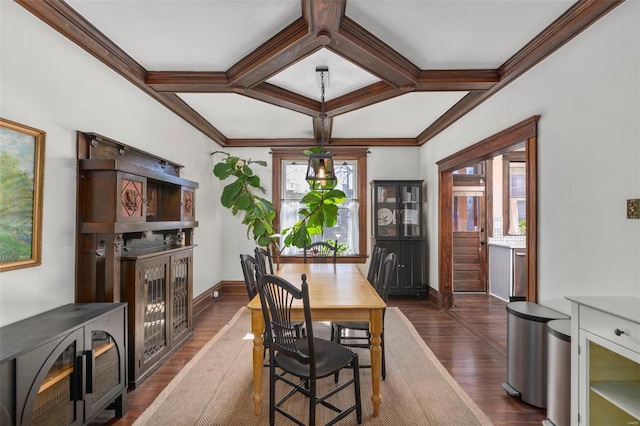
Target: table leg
[375,328]
[257,328]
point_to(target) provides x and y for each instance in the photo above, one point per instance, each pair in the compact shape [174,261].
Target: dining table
[337,292]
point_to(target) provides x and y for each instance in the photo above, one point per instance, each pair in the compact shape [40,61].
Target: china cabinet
[65,365]
[605,360]
[397,225]
[136,218]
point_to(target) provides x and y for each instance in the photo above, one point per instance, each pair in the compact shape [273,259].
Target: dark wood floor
[469,340]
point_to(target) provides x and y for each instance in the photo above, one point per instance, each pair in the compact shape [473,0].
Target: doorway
[469,230]
[521,135]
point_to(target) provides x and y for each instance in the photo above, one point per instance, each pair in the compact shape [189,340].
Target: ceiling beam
[323,15]
[288,46]
[571,23]
[188,81]
[278,96]
[370,53]
[456,80]
[64,19]
[372,94]
[317,129]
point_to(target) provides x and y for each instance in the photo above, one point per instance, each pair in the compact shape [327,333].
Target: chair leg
[272,391]
[356,385]
[337,337]
[312,402]
[384,364]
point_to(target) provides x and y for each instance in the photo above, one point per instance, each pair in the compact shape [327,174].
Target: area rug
[215,387]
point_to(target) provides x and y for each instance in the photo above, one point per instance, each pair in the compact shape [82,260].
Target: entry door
[469,242]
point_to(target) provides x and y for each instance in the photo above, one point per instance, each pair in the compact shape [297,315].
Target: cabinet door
[150,335]
[132,190]
[610,380]
[411,274]
[410,202]
[385,224]
[105,356]
[410,271]
[55,394]
[181,293]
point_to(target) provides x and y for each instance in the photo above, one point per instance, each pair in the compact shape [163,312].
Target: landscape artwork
[21,176]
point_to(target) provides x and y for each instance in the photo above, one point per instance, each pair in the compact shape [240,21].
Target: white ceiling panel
[239,117]
[344,77]
[188,35]
[456,34]
[402,117]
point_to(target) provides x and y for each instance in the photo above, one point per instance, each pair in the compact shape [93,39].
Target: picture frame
[22,150]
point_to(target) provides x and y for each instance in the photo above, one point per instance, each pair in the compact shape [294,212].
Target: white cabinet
[605,360]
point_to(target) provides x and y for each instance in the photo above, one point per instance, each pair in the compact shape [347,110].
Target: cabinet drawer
[605,326]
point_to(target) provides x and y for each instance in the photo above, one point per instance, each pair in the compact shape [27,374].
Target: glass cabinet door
[385,223]
[410,210]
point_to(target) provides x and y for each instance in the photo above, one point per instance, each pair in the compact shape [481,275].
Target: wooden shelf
[104,348]
[55,376]
[623,394]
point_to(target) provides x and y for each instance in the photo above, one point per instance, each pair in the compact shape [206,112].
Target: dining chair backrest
[263,257]
[377,256]
[321,249]
[277,296]
[250,269]
[387,269]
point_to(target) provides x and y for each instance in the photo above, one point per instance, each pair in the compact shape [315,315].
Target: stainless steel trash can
[527,351]
[558,373]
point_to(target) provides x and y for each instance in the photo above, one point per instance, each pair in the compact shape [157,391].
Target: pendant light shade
[320,171]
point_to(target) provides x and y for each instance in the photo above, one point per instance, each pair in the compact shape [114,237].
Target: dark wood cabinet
[397,225]
[159,286]
[136,217]
[64,366]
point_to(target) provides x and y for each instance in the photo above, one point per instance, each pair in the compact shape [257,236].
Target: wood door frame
[522,134]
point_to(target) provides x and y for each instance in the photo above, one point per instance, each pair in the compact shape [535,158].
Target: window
[514,195]
[517,198]
[290,167]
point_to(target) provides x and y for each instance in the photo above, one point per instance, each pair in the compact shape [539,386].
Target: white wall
[588,96]
[49,83]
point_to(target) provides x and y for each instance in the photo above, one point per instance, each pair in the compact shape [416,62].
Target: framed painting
[21,186]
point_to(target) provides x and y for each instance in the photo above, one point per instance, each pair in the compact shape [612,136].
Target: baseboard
[436,297]
[206,298]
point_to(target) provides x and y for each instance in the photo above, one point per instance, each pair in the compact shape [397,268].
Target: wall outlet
[215,294]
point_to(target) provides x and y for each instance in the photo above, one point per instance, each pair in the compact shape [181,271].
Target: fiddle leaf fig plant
[320,211]
[240,195]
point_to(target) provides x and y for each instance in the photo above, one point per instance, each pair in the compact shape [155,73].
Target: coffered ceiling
[243,71]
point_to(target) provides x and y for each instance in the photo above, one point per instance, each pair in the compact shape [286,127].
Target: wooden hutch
[135,223]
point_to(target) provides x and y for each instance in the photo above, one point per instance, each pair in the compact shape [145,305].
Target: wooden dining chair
[340,329]
[321,249]
[249,268]
[377,256]
[263,257]
[308,358]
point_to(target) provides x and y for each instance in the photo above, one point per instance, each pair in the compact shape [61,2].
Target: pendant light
[320,171]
